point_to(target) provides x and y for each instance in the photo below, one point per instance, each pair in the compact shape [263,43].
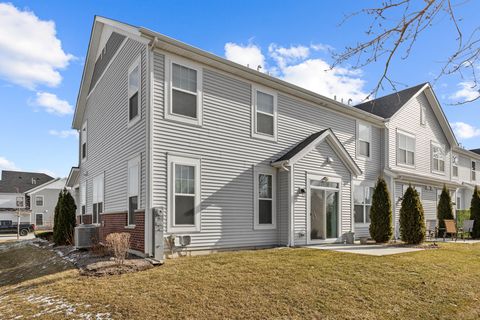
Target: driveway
[13,237]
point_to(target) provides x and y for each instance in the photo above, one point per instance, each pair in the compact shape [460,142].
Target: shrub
[444,210]
[412,221]
[64,219]
[381,229]
[118,243]
[475,213]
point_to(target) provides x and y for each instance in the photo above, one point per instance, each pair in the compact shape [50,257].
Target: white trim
[254,133]
[257,171]
[134,161]
[168,113]
[357,140]
[43,200]
[82,137]
[423,116]
[408,135]
[43,222]
[136,63]
[443,149]
[189,161]
[331,178]
[364,185]
[98,196]
[291,206]
[148,223]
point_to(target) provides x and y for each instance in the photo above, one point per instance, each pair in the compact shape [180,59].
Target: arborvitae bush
[64,219]
[381,229]
[412,221]
[475,213]
[444,210]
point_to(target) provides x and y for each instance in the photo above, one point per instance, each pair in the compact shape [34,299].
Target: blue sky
[288,38]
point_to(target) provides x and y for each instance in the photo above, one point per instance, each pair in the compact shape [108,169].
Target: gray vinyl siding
[408,119]
[372,167]
[228,152]
[315,163]
[464,169]
[110,142]
[282,206]
[50,199]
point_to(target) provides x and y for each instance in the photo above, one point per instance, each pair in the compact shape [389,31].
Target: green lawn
[276,283]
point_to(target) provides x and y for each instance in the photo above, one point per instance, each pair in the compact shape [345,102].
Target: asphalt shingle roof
[388,105]
[11,180]
[299,147]
[477,151]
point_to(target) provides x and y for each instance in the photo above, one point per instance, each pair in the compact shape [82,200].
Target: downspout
[291,207]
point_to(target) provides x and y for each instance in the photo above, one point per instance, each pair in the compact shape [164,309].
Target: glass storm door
[324,210]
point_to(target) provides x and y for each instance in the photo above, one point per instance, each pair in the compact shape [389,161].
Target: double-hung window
[83,198]
[455,166]
[438,158]
[185,93]
[134,92]
[264,197]
[133,189]
[405,149]
[83,141]
[423,115]
[474,171]
[39,219]
[39,201]
[98,191]
[184,194]
[364,133]
[264,124]
[362,200]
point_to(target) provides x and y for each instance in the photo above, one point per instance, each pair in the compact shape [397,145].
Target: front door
[323,209]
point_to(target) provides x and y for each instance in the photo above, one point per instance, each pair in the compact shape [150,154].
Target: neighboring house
[13,186]
[43,200]
[236,158]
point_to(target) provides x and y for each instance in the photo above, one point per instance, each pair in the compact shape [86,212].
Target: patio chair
[450,228]
[466,228]
[432,230]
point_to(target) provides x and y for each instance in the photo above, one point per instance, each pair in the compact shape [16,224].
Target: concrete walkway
[368,249]
[449,240]
[13,237]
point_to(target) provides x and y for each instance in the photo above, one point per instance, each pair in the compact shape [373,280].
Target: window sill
[403,165]
[440,173]
[188,229]
[264,227]
[134,121]
[183,119]
[264,137]
[360,157]
[362,224]
[130,226]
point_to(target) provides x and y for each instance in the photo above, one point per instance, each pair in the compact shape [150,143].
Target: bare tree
[395,28]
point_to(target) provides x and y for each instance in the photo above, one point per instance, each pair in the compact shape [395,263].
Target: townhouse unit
[175,140]
[44,199]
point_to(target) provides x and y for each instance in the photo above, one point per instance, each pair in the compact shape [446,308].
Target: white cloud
[52,104]
[296,65]
[250,55]
[468,91]
[464,130]
[6,164]
[64,133]
[30,52]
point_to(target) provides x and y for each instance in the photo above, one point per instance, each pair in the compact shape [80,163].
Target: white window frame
[423,116]
[136,63]
[433,145]
[473,172]
[412,136]
[364,185]
[254,132]
[41,214]
[83,197]
[135,161]
[98,195]
[361,123]
[40,197]
[257,171]
[172,160]
[170,60]
[455,161]
[84,139]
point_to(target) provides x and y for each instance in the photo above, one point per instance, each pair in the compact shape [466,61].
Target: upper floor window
[364,139]
[184,194]
[83,197]
[264,114]
[185,93]
[83,142]
[438,157]
[455,166]
[423,115]
[405,149]
[133,189]
[39,201]
[362,200]
[264,188]
[134,91]
[98,191]
[474,171]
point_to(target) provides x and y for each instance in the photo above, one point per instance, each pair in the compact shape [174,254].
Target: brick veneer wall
[87,219]
[117,222]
